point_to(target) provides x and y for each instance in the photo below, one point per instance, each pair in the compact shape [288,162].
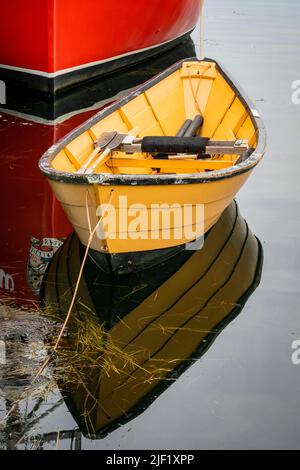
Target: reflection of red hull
[50,40]
[33,222]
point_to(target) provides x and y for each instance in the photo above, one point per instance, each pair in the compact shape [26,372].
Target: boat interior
[195,88]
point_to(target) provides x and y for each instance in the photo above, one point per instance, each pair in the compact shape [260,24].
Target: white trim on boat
[89,64]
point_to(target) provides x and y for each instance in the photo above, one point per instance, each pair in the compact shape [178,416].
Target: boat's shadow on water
[128,338]
[131,337]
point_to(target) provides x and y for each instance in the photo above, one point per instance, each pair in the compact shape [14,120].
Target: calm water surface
[243,391]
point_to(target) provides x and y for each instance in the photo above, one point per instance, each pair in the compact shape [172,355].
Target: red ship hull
[55,44]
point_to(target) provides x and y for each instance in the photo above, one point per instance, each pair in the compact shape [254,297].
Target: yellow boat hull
[214,197]
[156,203]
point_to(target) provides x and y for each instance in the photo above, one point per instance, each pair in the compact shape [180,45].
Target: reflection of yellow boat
[166,317]
[84,178]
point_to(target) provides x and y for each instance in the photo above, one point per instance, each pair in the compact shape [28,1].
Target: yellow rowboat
[156,322]
[187,140]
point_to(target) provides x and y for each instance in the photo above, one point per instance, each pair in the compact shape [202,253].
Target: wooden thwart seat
[193,152]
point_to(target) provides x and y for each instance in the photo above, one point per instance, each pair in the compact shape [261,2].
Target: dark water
[237,389]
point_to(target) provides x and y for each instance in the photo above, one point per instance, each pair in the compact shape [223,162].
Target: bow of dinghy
[84,169]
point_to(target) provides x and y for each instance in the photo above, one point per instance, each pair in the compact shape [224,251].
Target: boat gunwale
[109,179]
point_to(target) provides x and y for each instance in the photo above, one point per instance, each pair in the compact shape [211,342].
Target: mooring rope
[201,30]
[92,234]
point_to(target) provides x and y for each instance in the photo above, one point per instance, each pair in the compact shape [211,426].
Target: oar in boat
[187,146]
[107,142]
[190,127]
[184,128]
[193,153]
[168,148]
[101,145]
[194,126]
[165,149]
